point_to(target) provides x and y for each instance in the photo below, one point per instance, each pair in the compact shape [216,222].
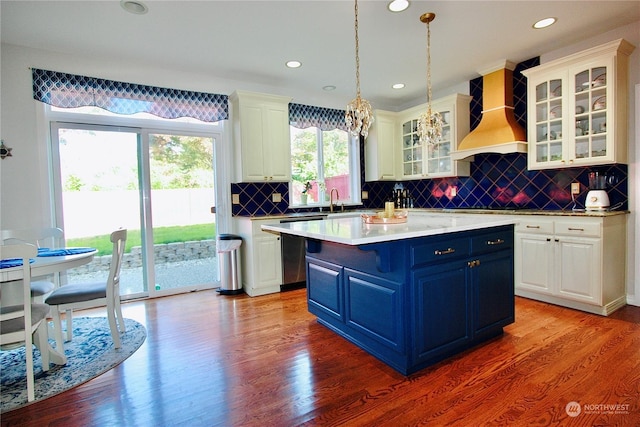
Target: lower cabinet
[431,298]
[261,257]
[438,330]
[463,301]
[573,262]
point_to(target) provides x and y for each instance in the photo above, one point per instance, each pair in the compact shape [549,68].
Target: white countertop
[351,230]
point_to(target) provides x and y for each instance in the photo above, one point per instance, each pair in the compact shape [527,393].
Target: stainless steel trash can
[228,246]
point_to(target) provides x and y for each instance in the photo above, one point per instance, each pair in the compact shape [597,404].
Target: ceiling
[250,41]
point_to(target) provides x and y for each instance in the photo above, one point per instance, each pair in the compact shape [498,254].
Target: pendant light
[358,114]
[430,122]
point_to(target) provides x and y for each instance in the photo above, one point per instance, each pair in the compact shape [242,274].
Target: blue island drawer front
[491,242]
[440,251]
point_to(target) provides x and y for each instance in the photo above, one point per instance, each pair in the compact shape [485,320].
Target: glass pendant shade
[358,114]
[430,122]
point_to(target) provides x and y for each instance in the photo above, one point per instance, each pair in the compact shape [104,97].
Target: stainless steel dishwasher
[293,255]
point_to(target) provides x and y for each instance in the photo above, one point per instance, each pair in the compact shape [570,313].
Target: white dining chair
[13,328]
[85,295]
[43,237]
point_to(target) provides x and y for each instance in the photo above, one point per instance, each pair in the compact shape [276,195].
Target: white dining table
[44,266]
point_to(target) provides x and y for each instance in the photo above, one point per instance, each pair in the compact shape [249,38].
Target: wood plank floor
[212,360]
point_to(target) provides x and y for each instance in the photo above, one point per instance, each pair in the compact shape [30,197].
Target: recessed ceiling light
[398,5]
[544,23]
[398,86]
[134,6]
[329,88]
[294,64]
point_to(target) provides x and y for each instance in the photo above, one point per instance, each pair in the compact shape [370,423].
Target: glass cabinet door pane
[542,153]
[541,92]
[556,88]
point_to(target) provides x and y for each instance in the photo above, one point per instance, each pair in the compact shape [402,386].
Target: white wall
[24,179]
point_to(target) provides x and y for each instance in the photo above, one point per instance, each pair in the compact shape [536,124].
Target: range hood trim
[503,148]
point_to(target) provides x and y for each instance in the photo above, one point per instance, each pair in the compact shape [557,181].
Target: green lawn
[160,235]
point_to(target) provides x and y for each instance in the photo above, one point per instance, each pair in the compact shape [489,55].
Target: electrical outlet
[365,195]
[235,199]
[575,188]
[276,197]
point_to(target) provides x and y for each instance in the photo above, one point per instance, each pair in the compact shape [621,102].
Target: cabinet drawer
[534,227]
[440,251]
[578,229]
[491,242]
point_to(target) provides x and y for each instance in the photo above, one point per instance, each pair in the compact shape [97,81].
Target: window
[325,160]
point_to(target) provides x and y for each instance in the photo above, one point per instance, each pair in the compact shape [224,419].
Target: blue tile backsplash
[500,180]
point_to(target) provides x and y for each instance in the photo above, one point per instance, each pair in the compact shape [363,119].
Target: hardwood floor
[216,360]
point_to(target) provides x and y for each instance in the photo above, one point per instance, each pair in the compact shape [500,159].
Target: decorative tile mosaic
[496,180]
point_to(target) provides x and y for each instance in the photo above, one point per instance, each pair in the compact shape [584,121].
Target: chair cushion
[38,313]
[41,287]
[77,292]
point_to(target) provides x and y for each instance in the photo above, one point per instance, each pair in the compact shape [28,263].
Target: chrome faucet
[331,198]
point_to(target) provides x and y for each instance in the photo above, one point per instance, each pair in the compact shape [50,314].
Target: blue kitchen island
[411,294]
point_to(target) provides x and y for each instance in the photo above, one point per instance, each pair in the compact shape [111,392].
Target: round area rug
[89,354]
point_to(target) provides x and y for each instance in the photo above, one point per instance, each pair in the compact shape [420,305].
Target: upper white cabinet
[262,146]
[577,108]
[381,148]
[419,161]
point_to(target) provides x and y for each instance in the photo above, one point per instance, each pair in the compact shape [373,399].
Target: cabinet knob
[474,263]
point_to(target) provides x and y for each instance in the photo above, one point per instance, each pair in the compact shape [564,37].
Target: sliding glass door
[182,195]
[157,185]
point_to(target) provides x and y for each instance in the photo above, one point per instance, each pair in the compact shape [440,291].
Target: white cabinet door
[268,261]
[276,146]
[381,148]
[252,133]
[262,145]
[534,267]
[579,269]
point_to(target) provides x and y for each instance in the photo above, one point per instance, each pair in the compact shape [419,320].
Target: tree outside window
[322,158]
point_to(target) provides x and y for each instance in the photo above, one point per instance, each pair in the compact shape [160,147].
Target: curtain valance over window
[72,91]
[304,116]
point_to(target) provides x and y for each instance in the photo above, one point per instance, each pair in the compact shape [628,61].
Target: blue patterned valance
[305,116]
[72,91]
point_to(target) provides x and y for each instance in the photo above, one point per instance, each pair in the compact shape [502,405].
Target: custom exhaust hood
[498,131]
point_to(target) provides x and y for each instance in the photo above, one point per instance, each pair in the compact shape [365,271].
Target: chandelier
[430,122]
[358,114]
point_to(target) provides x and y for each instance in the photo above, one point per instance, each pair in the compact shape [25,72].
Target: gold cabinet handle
[445,252]
[495,242]
[474,263]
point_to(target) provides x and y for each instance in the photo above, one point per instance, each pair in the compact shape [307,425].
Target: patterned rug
[89,354]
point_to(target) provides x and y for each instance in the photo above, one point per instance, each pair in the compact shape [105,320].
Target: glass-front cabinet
[434,161]
[574,98]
